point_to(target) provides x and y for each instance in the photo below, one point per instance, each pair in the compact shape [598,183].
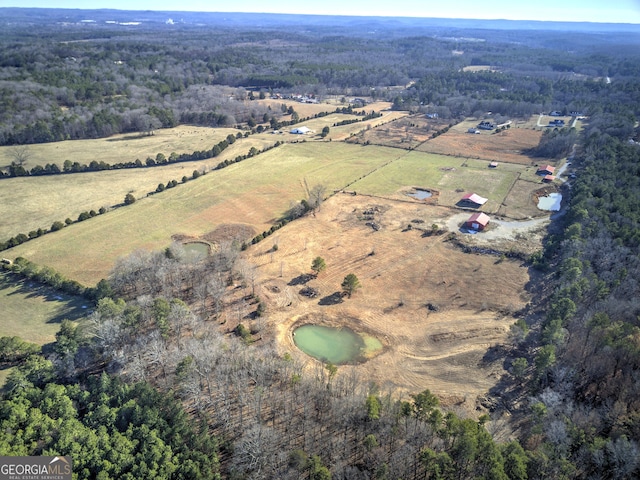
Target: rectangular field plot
[406,169]
[491,184]
[508,146]
[124,147]
[451,176]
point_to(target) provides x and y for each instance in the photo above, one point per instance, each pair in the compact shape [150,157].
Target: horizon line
[324,15]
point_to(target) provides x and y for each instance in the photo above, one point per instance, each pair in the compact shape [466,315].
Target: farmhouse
[556,123]
[300,130]
[546,170]
[472,200]
[477,221]
[485,125]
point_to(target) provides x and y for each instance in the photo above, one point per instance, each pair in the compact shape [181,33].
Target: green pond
[336,345]
[196,250]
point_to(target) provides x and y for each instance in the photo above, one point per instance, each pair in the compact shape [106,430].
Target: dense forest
[145,389]
[86,80]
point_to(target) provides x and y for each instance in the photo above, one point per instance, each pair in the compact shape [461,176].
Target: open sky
[613,11]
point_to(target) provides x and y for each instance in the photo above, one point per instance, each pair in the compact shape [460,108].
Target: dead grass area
[304,109]
[402,272]
[406,132]
[522,200]
[225,233]
[230,232]
[124,147]
[506,146]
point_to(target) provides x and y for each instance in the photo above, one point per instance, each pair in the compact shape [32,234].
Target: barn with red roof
[477,221]
[472,200]
[546,170]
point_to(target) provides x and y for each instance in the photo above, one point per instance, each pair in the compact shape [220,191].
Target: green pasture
[33,312]
[451,176]
[256,192]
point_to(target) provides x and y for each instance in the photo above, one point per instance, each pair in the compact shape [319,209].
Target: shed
[300,130]
[472,200]
[493,165]
[546,170]
[548,178]
[477,221]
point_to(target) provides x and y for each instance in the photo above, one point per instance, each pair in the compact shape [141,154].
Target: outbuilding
[546,170]
[472,200]
[300,130]
[477,221]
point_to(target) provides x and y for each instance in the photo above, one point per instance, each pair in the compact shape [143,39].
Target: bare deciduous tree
[20,154]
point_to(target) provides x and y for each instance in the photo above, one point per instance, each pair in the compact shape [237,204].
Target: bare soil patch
[230,232]
[436,310]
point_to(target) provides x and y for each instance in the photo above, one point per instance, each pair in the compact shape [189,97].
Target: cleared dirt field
[401,272]
[507,146]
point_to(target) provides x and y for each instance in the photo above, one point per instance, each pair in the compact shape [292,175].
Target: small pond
[550,202]
[420,194]
[336,345]
[196,250]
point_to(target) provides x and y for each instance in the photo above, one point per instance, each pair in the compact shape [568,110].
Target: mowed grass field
[33,312]
[450,176]
[254,192]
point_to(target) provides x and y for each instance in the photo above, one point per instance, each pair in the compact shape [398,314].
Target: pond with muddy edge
[420,194]
[196,250]
[339,346]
